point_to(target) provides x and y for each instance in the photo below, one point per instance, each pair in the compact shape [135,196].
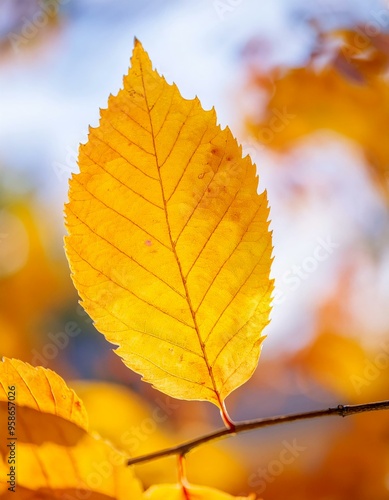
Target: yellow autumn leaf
[41,396]
[48,443]
[90,467]
[174,492]
[168,240]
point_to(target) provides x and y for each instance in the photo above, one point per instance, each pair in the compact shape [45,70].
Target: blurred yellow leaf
[33,283]
[348,95]
[174,492]
[55,456]
[217,467]
[168,240]
[139,428]
[333,360]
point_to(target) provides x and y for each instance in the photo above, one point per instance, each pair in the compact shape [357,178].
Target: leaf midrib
[187,295]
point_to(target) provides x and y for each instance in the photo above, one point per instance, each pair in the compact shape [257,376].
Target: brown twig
[183,449]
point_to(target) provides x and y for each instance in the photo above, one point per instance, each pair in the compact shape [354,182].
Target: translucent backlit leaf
[90,467]
[40,395]
[55,455]
[168,240]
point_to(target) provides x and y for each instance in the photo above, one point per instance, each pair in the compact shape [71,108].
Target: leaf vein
[120,155]
[51,391]
[237,292]
[121,182]
[186,167]
[130,257]
[122,215]
[212,233]
[231,254]
[130,141]
[28,388]
[200,199]
[196,328]
[237,332]
[143,332]
[178,133]
[130,291]
[166,115]
[133,120]
[180,377]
